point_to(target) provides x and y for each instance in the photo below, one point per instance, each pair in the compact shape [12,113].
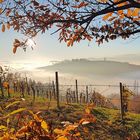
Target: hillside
[88,67]
[106,126]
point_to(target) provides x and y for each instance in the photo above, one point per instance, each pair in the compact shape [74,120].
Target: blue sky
[48,48]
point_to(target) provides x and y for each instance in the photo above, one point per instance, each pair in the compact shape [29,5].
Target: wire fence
[105,95]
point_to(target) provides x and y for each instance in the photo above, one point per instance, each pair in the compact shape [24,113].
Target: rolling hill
[89,67]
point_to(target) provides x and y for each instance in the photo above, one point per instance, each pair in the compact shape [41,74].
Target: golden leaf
[107,16]
[71,127]
[129,12]
[3,28]
[2,127]
[77,134]
[120,12]
[87,110]
[62,138]
[36,117]
[135,12]
[44,125]
[58,131]
[70,43]
[122,4]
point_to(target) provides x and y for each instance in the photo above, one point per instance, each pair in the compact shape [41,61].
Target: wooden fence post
[121,98]
[57,89]
[8,90]
[76,90]
[1,86]
[86,94]
[53,90]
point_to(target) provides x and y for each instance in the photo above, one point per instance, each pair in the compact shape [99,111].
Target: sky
[48,49]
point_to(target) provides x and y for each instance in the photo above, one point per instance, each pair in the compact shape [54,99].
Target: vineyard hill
[88,67]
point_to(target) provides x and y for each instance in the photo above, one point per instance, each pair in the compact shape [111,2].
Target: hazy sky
[48,49]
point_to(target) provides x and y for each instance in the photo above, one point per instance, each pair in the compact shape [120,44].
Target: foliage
[71,123]
[75,20]
[29,125]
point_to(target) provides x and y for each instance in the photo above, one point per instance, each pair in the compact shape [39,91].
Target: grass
[108,124]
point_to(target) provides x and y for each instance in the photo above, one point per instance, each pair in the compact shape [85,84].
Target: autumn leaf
[129,12]
[82,4]
[120,12]
[2,127]
[107,16]
[38,119]
[135,12]
[14,50]
[77,134]
[71,127]
[87,110]
[58,131]
[122,4]
[69,43]
[44,125]
[103,1]
[62,138]
[3,28]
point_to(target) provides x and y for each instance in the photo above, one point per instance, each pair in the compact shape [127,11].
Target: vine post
[57,89]
[121,98]
[76,86]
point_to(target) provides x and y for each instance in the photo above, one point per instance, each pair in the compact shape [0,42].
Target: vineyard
[32,110]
